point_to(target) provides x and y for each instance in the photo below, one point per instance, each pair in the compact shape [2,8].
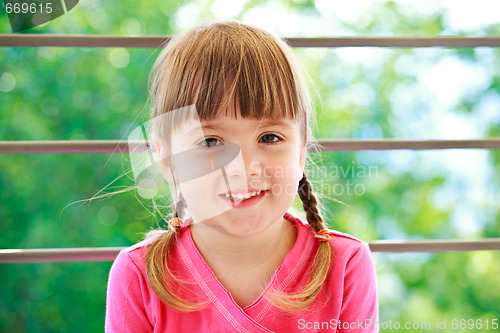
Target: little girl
[230,117]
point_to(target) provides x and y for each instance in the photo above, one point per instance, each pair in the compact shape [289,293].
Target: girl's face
[254,190]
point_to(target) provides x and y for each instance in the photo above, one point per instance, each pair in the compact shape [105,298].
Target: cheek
[284,178]
[201,198]
[285,169]
[197,189]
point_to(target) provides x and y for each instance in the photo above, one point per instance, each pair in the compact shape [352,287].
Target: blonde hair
[211,67]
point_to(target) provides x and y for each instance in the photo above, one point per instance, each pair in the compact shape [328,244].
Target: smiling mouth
[241,196]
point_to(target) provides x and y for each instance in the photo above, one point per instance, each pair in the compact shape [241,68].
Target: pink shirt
[347,303]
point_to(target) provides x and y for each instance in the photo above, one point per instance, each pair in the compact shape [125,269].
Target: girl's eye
[270,138]
[209,143]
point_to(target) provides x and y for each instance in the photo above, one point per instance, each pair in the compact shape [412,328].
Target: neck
[246,252]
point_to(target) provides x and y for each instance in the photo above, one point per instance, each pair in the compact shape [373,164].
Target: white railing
[110,253]
[116,146]
[37,40]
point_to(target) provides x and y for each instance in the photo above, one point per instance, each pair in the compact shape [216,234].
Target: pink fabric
[348,302]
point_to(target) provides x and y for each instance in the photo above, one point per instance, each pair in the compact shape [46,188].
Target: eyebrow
[262,123]
[274,122]
[211,126]
[215,126]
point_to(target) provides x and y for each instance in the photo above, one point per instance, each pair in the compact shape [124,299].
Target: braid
[180,206]
[322,260]
[175,224]
[310,204]
[164,282]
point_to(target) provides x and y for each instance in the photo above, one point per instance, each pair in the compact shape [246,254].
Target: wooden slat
[117,146]
[59,255]
[441,245]
[392,144]
[110,253]
[64,147]
[38,40]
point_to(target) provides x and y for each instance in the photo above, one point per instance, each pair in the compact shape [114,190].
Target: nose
[246,165]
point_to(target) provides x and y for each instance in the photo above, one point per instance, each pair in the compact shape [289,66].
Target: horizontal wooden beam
[117,146]
[41,40]
[59,255]
[440,245]
[110,253]
[396,144]
[64,147]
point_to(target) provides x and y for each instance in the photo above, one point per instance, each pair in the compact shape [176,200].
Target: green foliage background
[101,93]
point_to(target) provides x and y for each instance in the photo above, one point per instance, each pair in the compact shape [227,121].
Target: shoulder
[130,303]
[129,262]
[131,259]
[347,243]
[351,275]
[344,246]
[128,282]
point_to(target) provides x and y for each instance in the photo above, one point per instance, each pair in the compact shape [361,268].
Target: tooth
[241,196]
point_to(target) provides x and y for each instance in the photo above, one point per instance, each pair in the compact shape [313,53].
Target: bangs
[250,73]
[223,67]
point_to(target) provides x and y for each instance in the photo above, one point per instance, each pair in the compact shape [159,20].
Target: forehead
[237,124]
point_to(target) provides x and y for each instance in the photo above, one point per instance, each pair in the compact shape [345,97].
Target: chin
[237,226]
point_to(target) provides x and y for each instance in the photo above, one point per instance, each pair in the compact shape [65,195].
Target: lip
[243,191]
[244,202]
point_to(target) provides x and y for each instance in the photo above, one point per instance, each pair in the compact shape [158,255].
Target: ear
[164,160]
